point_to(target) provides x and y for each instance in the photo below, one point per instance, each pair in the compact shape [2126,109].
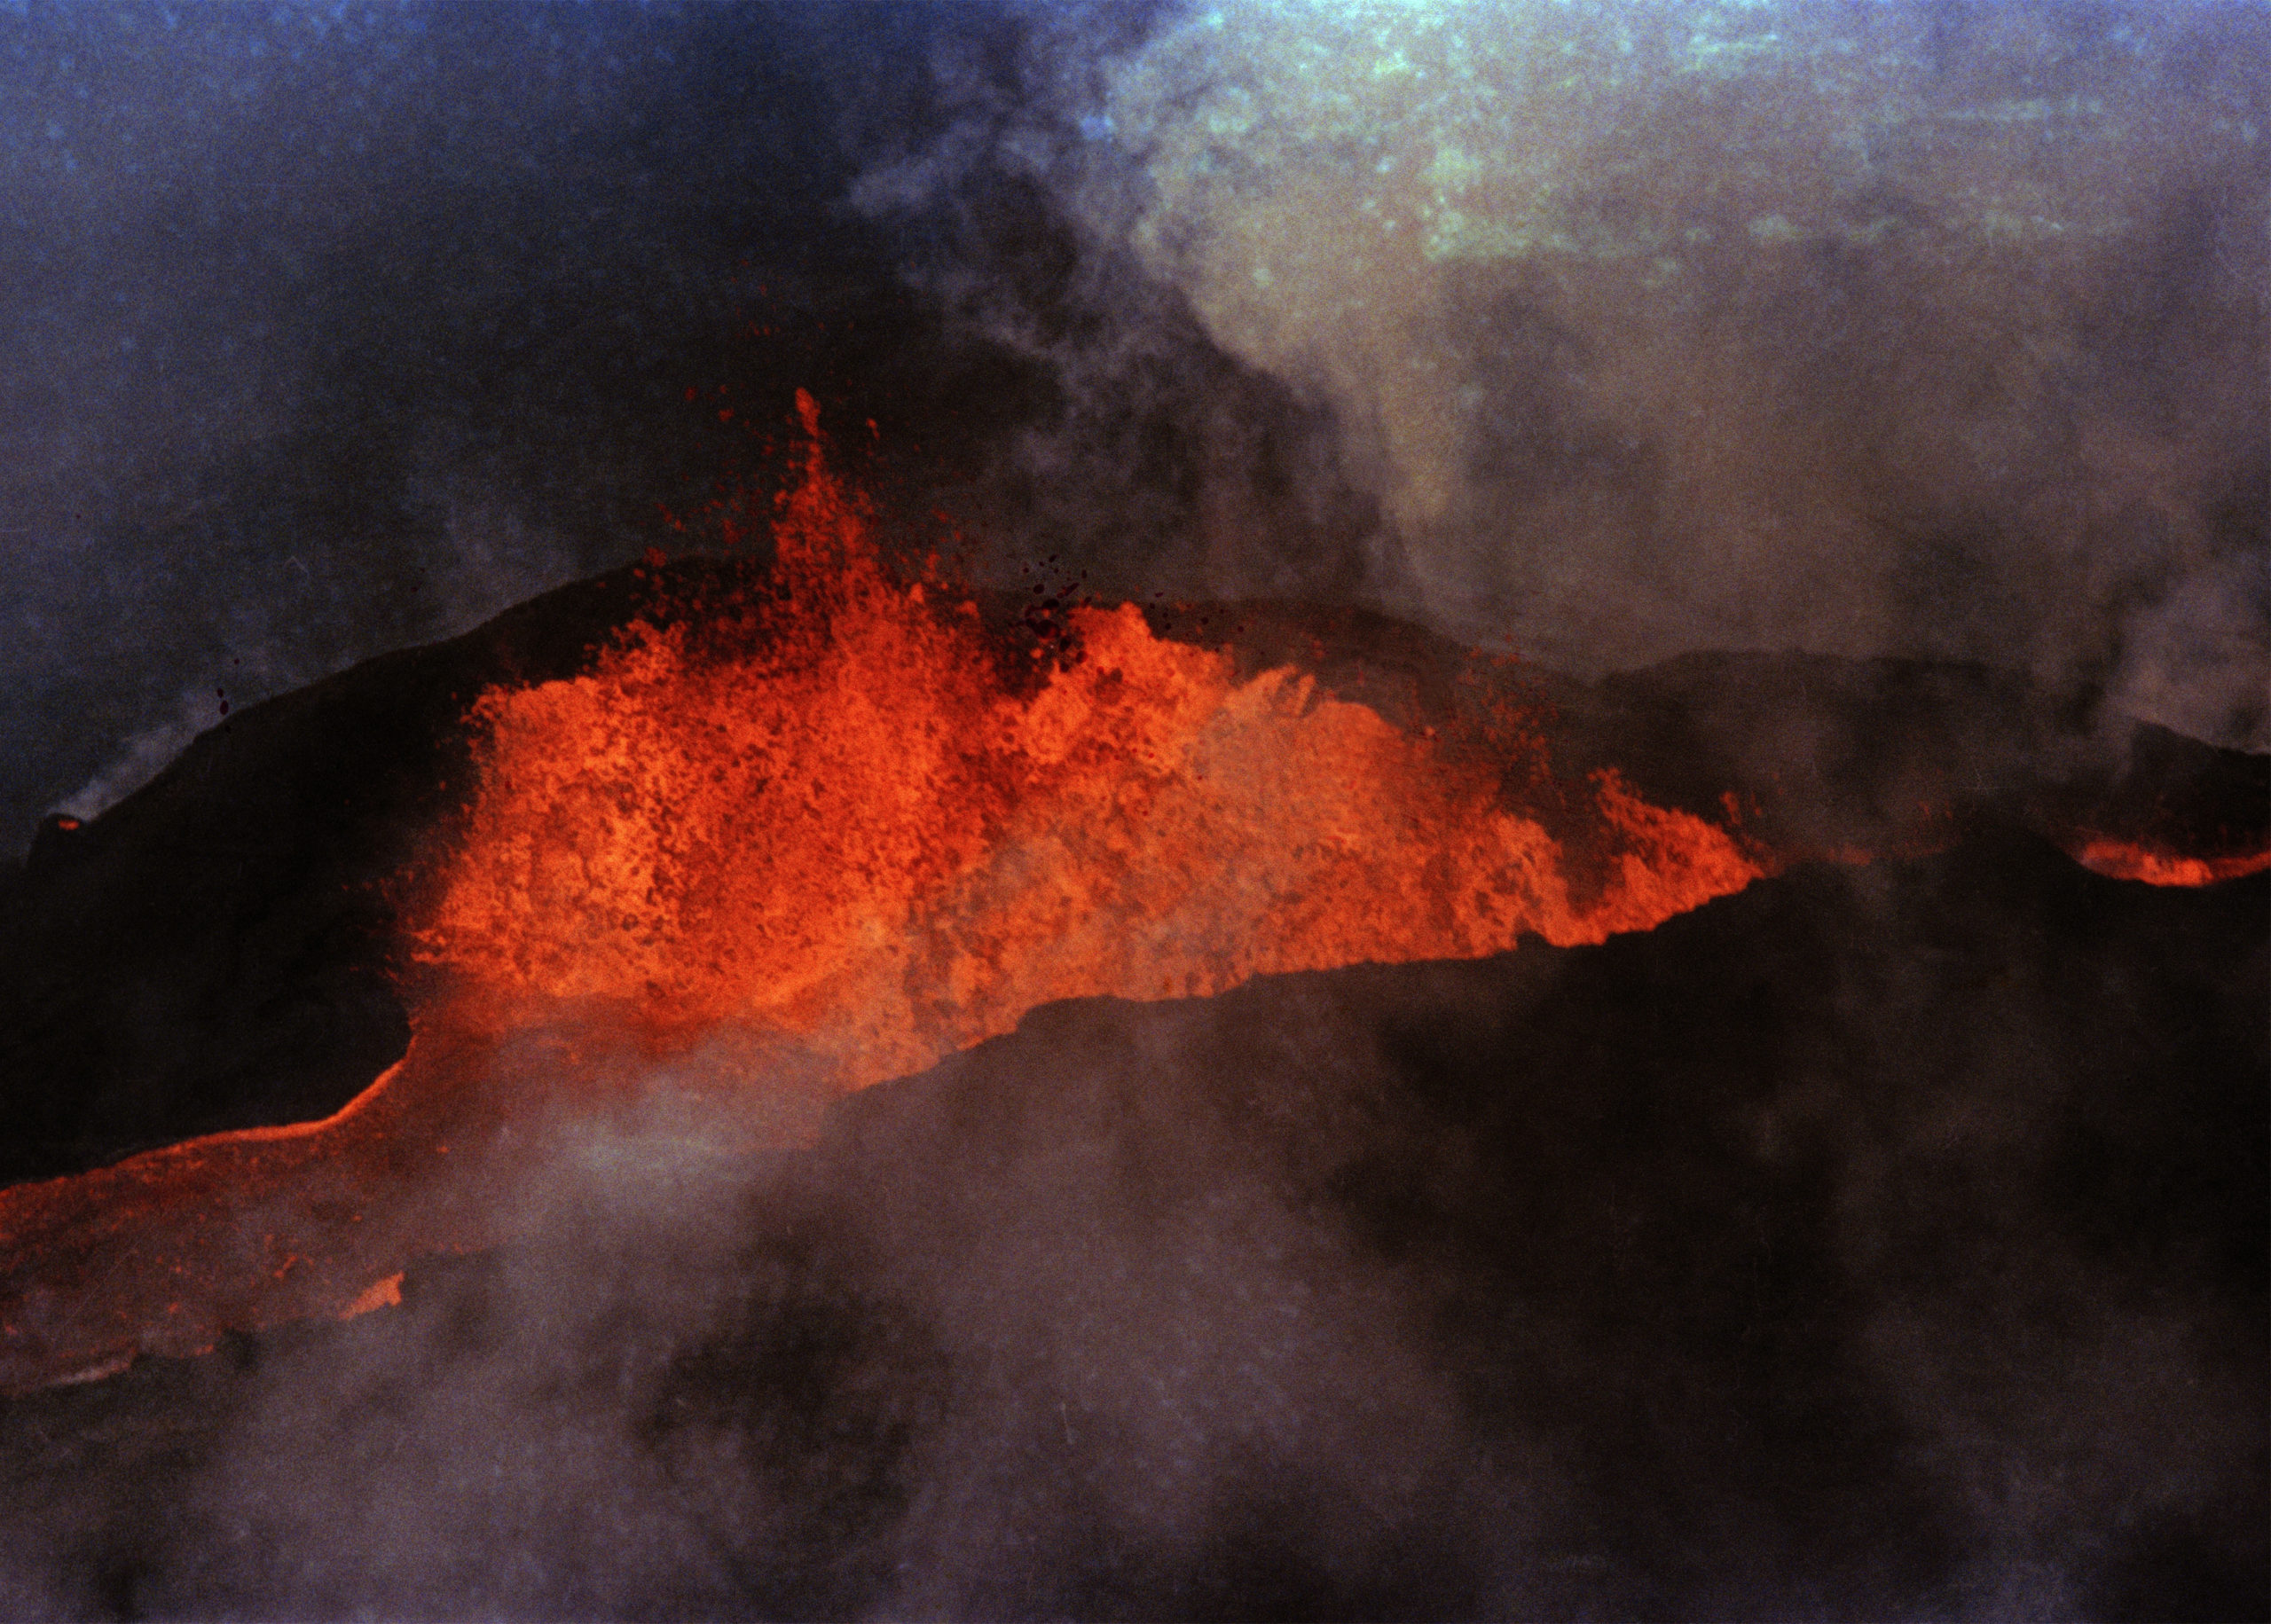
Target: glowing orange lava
[2127,859]
[824,836]
[853,830]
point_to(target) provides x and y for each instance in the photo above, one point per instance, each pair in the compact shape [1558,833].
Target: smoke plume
[1931,330]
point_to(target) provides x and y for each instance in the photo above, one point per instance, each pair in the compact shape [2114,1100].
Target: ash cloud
[1933,330]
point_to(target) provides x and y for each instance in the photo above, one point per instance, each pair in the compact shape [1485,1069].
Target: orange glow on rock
[2128,859]
[383,1294]
[163,1252]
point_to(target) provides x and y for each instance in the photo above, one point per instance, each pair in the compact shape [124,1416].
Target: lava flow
[817,837]
[2129,860]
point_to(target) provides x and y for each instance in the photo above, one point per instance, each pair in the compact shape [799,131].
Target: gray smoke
[1918,329]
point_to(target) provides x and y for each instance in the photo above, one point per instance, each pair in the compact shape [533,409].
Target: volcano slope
[218,950]
[1883,1241]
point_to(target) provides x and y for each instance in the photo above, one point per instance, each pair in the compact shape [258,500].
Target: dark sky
[334,328]
[1602,333]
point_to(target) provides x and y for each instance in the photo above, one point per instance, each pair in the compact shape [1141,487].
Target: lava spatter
[851,826]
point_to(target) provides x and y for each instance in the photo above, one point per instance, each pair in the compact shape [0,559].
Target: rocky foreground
[1884,1241]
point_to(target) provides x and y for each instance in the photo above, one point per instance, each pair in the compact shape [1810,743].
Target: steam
[1425,1289]
[145,755]
[1920,330]
[697,1384]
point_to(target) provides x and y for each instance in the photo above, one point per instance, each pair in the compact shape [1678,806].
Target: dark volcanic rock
[213,952]
[1880,1241]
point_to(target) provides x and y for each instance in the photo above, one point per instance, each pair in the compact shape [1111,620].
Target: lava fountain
[839,816]
[817,835]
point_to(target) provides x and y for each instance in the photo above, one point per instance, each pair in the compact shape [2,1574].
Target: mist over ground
[1599,332]
[1882,1242]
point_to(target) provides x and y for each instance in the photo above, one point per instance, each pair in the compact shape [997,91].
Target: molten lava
[843,822]
[824,833]
[831,833]
[2129,860]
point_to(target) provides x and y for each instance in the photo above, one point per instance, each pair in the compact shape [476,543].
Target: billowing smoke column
[1888,328]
